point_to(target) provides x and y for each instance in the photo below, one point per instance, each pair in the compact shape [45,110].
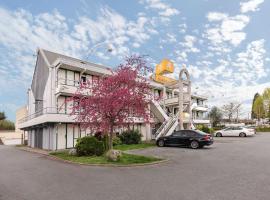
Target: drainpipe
[82,72]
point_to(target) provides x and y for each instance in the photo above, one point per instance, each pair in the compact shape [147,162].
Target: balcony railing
[47,110]
[202,105]
[63,81]
[200,118]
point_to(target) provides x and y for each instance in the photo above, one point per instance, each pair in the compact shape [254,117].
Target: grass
[21,145]
[263,129]
[125,147]
[126,159]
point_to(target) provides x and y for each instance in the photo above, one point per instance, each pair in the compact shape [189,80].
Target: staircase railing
[166,126]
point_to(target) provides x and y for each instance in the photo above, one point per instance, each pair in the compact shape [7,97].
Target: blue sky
[224,43]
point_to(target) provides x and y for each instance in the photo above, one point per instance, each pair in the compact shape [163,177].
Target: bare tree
[231,109]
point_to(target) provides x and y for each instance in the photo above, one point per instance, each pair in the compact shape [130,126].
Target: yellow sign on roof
[164,67]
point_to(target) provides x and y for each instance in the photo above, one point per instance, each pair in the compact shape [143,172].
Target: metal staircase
[167,126]
[170,122]
[158,111]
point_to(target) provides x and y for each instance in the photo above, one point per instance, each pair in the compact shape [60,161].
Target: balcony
[173,100]
[201,120]
[201,107]
[66,87]
[46,115]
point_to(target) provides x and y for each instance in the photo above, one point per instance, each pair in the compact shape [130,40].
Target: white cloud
[250,63]
[164,10]
[181,56]
[194,71]
[22,32]
[251,5]
[183,28]
[216,16]
[225,30]
[169,12]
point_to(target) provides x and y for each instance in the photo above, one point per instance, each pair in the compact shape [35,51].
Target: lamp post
[94,48]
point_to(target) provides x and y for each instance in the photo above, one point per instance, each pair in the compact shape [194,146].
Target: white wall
[61,136]
[31,103]
[47,96]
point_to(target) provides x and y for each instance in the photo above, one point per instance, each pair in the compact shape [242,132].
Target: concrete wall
[20,113]
[11,137]
[47,96]
[31,103]
[31,138]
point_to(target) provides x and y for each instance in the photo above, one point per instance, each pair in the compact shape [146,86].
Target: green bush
[6,125]
[89,146]
[205,129]
[217,128]
[116,141]
[263,129]
[131,137]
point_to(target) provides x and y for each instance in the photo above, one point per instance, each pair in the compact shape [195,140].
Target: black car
[191,138]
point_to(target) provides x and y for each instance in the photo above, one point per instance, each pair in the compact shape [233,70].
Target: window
[177,133]
[190,133]
[83,79]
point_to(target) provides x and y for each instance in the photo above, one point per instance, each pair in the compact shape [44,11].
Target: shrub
[116,141]
[130,137]
[263,129]
[205,129]
[89,146]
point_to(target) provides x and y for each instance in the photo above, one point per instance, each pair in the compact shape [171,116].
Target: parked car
[191,138]
[251,127]
[235,131]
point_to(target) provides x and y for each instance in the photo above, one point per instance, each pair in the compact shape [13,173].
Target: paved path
[233,168]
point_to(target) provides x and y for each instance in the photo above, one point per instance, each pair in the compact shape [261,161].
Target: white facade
[56,77]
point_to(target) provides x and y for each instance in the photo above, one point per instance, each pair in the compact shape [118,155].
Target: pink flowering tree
[114,101]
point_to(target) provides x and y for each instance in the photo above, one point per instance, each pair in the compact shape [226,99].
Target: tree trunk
[111,139]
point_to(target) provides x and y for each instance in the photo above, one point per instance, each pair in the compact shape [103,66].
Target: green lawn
[125,147]
[126,159]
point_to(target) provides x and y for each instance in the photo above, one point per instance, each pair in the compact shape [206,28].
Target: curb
[52,157]
[106,165]
[32,151]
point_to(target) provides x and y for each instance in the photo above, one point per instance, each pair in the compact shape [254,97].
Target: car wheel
[218,134]
[194,144]
[242,135]
[161,143]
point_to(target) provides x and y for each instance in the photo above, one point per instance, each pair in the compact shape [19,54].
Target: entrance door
[70,135]
[61,136]
[38,138]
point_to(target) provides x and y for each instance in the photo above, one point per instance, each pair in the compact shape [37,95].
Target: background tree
[266,102]
[2,116]
[5,124]
[215,115]
[231,109]
[253,114]
[259,107]
[115,100]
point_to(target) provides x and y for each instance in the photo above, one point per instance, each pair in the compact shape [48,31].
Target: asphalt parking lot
[232,168]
